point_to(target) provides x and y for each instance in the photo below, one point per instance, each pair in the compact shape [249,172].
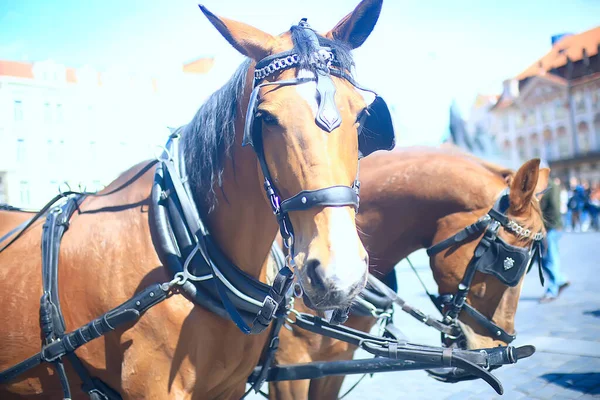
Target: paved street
[566,334]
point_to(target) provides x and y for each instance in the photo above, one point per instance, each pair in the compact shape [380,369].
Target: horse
[413,198]
[289,124]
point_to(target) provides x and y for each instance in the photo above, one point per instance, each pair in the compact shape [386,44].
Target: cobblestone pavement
[565,332]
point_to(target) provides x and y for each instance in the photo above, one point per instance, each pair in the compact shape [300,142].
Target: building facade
[63,127]
[552,110]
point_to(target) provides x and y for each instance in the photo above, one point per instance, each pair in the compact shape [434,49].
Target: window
[93,151]
[596,99]
[597,129]
[530,117]
[20,150]
[51,152]
[53,188]
[535,146]
[579,100]
[520,119]
[61,150]
[24,191]
[2,196]
[59,113]
[583,137]
[18,105]
[560,109]
[548,145]
[505,123]
[507,149]
[47,113]
[546,113]
[564,145]
[521,149]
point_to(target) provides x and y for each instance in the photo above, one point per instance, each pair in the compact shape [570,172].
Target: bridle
[324,65]
[492,256]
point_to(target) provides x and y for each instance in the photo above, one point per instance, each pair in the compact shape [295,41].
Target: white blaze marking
[308,90]
[346,266]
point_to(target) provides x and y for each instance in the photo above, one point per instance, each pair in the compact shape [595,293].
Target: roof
[569,46]
[16,69]
[200,66]
[502,103]
[482,100]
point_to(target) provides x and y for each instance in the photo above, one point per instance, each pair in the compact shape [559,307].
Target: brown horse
[178,350]
[414,198]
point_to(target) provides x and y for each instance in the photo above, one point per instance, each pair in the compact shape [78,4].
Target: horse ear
[248,40]
[524,186]
[356,27]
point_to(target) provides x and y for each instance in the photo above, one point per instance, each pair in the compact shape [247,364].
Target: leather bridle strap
[481,224]
[493,329]
[334,196]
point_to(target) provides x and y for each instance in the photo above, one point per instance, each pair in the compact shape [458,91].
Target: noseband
[493,256]
[323,63]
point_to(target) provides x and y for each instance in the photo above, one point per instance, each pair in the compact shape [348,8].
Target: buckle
[268,309]
[47,358]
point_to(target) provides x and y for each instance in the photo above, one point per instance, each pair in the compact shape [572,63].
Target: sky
[421,56]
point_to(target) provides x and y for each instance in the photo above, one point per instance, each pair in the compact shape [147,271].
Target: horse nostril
[316,273]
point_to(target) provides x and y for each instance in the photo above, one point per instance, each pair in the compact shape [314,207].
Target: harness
[492,256]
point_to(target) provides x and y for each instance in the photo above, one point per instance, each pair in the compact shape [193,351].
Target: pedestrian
[577,205]
[550,205]
[594,206]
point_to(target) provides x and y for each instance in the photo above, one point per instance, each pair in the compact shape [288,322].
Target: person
[577,205]
[594,206]
[550,206]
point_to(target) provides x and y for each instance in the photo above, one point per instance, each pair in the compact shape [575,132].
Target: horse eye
[267,118]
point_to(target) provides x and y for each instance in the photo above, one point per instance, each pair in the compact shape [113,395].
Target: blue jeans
[551,263]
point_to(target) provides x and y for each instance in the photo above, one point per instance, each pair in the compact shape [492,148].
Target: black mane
[209,137]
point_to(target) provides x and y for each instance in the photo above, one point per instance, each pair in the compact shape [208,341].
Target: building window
[505,123]
[535,146]
[20,150]
[548,145]
[507,149]
[597,129]
[596,99]
[579,100]
[47,113]
[521,149]
[520,119]
[51,152]
[564,146]
[54,189]
[18,105]
[93,151]
[560,108]
[24,191]
[583,137]
[530,117]
[59,113]
[546,113]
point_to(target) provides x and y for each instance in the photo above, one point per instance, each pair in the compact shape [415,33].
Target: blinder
[377,130]
[504,261]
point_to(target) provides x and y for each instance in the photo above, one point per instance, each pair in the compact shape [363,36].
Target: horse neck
[424,194]
[242,221]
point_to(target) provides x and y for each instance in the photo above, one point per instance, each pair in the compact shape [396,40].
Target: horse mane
[209,137]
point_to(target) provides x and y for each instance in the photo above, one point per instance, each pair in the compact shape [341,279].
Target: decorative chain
[323,56]
[523,232]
